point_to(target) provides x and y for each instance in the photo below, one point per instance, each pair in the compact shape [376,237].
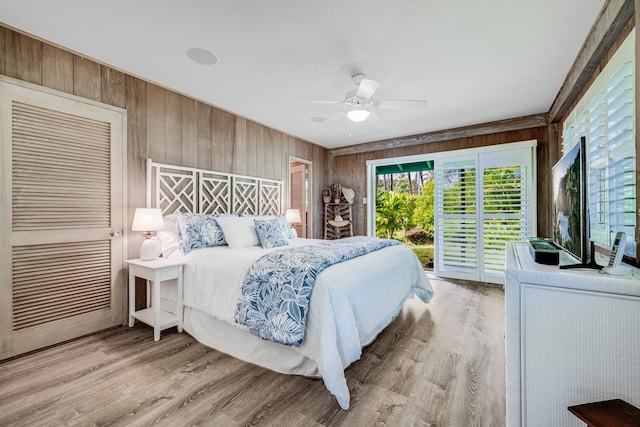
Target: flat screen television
[570,218]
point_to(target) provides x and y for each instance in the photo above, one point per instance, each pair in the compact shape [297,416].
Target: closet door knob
[114,233]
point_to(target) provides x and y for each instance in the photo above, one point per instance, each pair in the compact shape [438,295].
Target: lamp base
[149,250]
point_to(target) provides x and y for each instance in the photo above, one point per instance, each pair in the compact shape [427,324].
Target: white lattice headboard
[178,188]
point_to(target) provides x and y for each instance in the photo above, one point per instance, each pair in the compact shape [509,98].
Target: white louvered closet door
[62,217]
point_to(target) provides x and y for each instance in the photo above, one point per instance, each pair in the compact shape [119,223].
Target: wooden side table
[608,413]
[155,272]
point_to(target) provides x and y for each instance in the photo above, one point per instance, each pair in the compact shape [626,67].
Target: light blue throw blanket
[277,288]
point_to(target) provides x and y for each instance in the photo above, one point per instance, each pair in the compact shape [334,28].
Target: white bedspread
[351,303]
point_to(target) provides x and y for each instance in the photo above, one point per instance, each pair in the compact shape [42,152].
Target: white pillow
[239,232]
[168,235]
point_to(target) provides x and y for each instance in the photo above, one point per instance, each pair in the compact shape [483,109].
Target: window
[506,211]
[606,117]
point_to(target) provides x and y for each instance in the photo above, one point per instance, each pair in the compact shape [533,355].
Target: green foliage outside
[422,215]
[392,213]
[425,254]
[397,212]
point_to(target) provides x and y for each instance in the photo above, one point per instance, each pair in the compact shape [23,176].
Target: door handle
[115,233]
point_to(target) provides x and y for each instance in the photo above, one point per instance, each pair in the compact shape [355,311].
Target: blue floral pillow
[197,231]
[270,233]
[288,231]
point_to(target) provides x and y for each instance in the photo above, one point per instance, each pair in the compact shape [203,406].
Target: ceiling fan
[359,104]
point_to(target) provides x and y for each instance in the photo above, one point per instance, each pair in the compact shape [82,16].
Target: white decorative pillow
[270,233]
[168,236]
[239,232]
[286,227]
[197,231]
[288,230]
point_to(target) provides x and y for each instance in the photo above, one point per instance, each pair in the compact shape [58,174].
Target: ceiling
[472,61]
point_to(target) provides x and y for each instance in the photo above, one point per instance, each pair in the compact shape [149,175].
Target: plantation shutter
[606,117]
[506,214]
[456,219]
[62,194]
[482,202]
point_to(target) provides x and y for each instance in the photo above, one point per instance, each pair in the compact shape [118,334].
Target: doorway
[404,208]
[300,196]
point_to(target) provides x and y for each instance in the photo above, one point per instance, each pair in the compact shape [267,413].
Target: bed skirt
[243,345]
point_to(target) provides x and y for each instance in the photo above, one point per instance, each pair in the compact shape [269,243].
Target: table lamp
[293,216]
[148,220]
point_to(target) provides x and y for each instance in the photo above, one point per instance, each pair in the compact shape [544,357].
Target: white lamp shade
[147,219]
[293,216]
[358,115]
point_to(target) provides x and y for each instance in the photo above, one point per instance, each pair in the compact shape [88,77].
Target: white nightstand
[155,272]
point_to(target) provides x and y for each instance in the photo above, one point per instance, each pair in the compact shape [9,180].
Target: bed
[351,302]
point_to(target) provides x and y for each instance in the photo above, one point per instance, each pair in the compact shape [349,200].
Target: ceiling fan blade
[376,120]
[395,104]
[367,88]
[327,101]
[326,120]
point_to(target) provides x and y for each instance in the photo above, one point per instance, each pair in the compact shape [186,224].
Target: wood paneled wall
[164,125]
[351,170]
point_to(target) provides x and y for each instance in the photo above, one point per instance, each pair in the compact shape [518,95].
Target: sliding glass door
[483,200]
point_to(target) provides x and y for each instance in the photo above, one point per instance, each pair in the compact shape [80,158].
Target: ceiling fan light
[358,115]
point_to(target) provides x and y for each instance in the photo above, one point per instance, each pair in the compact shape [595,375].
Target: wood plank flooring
[440,364]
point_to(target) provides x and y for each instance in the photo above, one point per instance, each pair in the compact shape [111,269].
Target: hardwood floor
[440,364]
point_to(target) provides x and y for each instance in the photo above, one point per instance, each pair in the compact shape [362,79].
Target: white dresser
[572,337]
